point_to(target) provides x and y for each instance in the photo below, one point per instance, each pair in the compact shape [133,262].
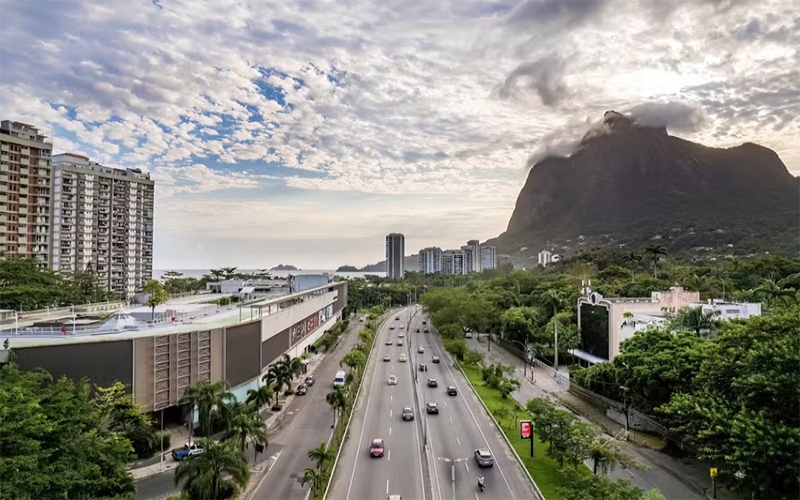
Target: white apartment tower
[25,184]
[430,260]
[395,255]
[488,258]
[474,255]
[102,222]
[453,262]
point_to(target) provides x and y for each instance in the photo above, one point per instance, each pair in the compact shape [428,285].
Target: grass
[542,468]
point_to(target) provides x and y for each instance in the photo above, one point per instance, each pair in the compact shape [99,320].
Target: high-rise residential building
[469,259]
[25,184]
[488,259]
[102,222]
[430,260]
[395,255]
[474,255]
[453,262]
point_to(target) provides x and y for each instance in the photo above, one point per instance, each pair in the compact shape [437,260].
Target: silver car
[392,379]
[484,458]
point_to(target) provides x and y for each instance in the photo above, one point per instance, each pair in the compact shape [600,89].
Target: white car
[403,358]
[391,327]
[421,350]
[389,341]
[401,335]
[402,326]
[392,379]
[387,357]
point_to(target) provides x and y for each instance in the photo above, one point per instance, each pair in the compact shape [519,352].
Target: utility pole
[555,326]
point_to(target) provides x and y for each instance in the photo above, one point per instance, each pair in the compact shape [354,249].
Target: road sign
[525,429]
[713,471]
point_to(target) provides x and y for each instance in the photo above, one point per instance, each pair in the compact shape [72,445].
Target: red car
[376,448]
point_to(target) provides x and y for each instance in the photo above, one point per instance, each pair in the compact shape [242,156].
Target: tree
[354,359]
[219,472]
[516,325]
[206,396]
[261,396]
[606,455]
[156,295]
[120,413]
[24,286]
[315,477]
[577,486]
[578,446]
[277,377]
[772,292]
[336,400]
[698,321]
[292,366]
[508,385]
[633,259]
[655,252]
[321,455]
[54,443]
[243,423]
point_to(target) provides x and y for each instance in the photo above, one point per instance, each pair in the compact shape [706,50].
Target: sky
[301,132]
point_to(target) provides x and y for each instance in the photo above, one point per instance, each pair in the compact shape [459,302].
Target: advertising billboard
[525,429]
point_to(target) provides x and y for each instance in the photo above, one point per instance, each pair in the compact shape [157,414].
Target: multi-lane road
[431,457]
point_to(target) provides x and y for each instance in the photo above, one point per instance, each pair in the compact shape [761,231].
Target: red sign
[525,429]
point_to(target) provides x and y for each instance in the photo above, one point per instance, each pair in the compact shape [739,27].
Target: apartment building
[488,257]
[453,262]
[395,255]
[469,259]
[102,222]
[25,184]
[430,260]
[474,255]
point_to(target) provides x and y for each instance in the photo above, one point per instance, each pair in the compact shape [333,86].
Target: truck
[188,450]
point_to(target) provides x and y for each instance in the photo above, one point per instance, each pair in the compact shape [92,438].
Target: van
[338,379]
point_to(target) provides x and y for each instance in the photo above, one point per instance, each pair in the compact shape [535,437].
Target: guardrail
[386,315]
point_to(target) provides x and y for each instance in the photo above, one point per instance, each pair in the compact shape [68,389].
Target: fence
[548,370]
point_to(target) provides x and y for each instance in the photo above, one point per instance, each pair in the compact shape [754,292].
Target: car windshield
[377,444]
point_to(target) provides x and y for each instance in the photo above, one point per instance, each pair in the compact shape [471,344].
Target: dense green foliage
[25,287]
[58,439]
[219,472]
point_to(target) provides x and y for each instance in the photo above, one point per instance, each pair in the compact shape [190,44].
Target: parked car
[188,450]
[452,391]
[376,448]
[408,413]
[484,458]
[432,408]
[302,389]
[310,380]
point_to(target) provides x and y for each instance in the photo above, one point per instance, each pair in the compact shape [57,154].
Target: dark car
[432,408]
[310,380]
[452,391]
[417,330]
[484,458]
[427,331]
[408,413]
[376,448]
[302,389]
[424,322]
[432,382]
[423,367]
[435,359]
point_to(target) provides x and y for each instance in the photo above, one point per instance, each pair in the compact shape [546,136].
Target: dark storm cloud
[544,76]
[675,116]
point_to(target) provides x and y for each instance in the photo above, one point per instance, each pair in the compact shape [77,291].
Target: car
[395,497]
[417,330]
[420,349]
[392,379]
[424,322]
[484,458]
[432,382]
[310,380]
[435,359]
[397,318]
[402,326]
[423,367]
[452,391]
[468,335]
[427,331]
[389,342]
[302,389]
[360,320]
[391,327]
[401,335]
[408,413]
[376,448]
[386,357]
[432,408]
[399,341]
[188,450]
[403,358]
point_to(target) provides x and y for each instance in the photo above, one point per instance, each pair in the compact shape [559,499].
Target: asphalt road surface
[461,427]
[378,415]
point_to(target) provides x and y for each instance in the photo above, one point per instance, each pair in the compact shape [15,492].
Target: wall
[283,319]
[273,347]
[143,372]
[242,352]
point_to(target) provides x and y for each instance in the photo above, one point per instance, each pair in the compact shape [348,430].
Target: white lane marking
[363,426]
[390,431]
[391,398]
[433,453]
[458,441]
[387,486]
[467,466]
[416,438]
[390,413]
[445,404]
[451,419]
[390,455]
[463,398]
[476,495]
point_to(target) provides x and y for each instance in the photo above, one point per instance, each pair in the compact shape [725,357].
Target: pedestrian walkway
[180,436]
[691,473]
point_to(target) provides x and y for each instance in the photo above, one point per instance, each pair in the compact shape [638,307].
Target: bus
[338,379]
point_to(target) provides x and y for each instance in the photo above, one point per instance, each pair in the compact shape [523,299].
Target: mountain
[629,183]
[284,267]
[411,264]
[347,269]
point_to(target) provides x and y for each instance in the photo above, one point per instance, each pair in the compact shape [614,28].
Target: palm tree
[771,292]
[294,366]
[261,396]
[321,455]
[278,377]
[245,423]
[634,259]
[697,320]
[206,396]
[336,400]
[655,252]
[218,472]
[315,477]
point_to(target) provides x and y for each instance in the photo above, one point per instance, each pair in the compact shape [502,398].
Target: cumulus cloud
[674,116]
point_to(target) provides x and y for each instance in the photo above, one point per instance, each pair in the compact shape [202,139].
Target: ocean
[198,273]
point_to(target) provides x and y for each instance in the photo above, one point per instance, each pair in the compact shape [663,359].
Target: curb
[502,433]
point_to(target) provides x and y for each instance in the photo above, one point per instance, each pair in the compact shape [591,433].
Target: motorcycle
[480,483]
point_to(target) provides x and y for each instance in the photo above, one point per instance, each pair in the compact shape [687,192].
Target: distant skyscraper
[395,255]
[430,260]
[474,255]
[488,259]
[469,258]
[453,262]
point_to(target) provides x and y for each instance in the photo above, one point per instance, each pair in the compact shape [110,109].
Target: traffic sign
[525,429]
[713,471]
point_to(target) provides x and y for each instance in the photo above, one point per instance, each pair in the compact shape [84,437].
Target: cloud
[675,116]
[544,76]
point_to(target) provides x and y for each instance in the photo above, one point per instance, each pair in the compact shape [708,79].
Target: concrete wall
[285,318]
[242,352]
[143,369]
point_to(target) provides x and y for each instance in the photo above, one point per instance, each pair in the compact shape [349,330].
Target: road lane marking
[458,441]
[390,413]
[390,455]
[390,431]
[445,404]
[467,466]
[476,495]
[464,399]
[387,486]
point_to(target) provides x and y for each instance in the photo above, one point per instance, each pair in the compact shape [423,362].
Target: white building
[102,222]
[25,190]
[395,255]
[453,262]
[469,259]
[488,257]
[729,310]
[546,257]
[474,255]
[430,260]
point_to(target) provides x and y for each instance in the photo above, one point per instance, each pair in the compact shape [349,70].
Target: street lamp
[524,356]
[453,463]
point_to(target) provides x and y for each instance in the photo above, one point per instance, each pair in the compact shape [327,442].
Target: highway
[461,426]
[378,416]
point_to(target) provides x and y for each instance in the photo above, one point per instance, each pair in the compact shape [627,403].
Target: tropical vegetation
[219,472]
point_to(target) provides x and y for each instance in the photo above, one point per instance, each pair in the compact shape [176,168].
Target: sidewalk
[691,473]
[180,435]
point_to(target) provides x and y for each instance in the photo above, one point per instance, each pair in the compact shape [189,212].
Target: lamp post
[452,463]
[524,356]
